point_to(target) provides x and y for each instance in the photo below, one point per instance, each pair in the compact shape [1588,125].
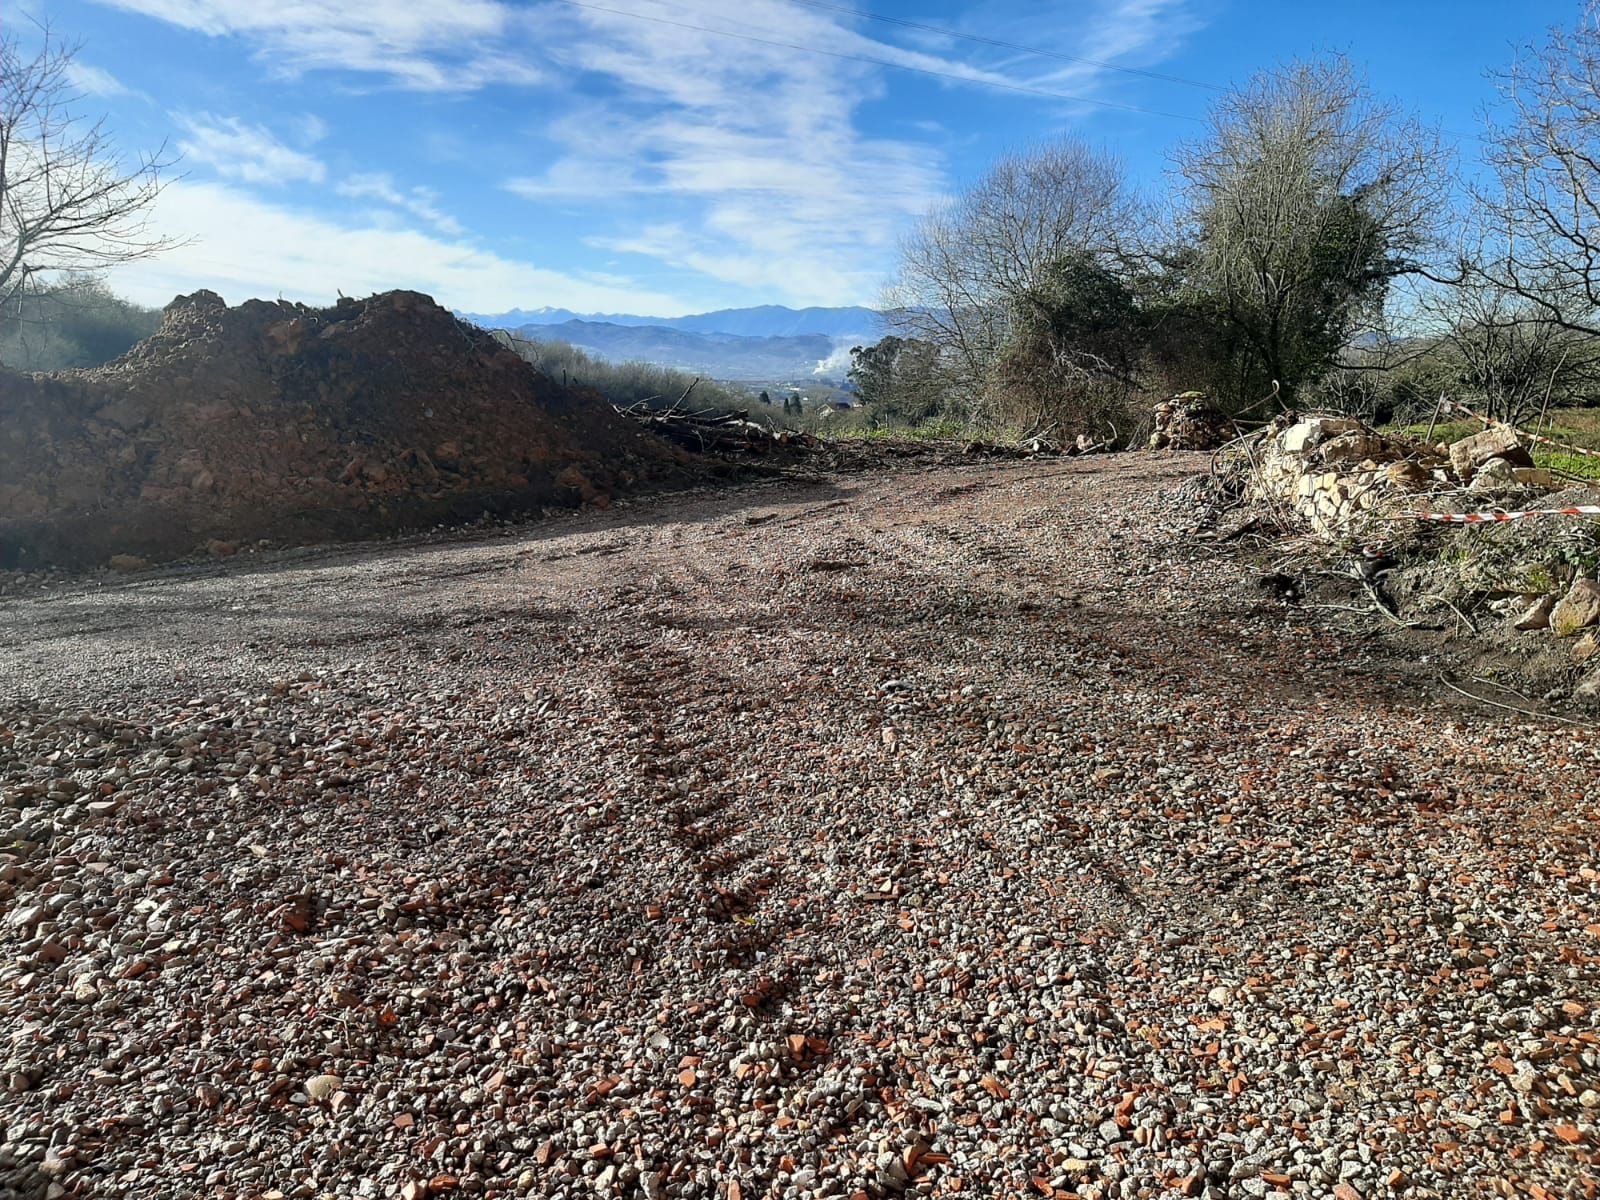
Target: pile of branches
[1038,447]
[712,431]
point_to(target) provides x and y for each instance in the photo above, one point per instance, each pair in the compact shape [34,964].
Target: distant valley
[769,342]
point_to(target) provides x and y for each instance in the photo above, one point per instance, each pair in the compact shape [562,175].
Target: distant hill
[719,355]
[766,320]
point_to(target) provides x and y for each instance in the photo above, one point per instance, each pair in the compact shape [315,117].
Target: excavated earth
[957,832]
[295,424]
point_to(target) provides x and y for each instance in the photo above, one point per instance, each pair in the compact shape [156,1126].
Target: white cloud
[754,154]
[759,150]
[96,81]
[248,153]
[429,45]
[420,202]
[313,128]
[242,246]
[746,163]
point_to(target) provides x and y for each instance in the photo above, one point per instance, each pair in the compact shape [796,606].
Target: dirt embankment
[274,420]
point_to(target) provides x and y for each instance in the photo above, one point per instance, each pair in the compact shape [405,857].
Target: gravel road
[949,832]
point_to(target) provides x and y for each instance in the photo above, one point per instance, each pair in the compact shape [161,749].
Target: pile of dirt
[295,424]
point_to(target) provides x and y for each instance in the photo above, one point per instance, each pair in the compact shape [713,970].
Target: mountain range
[767,342]
[764,320]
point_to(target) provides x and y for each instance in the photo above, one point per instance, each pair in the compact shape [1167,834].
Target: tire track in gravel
[1073,867]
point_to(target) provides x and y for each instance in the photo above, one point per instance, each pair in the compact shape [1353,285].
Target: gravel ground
[954,832]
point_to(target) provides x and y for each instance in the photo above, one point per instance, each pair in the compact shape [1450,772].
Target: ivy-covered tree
[1074,351]
[897,378]
[1306,199]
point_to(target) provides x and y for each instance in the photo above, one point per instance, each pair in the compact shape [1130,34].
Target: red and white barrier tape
[1479,518]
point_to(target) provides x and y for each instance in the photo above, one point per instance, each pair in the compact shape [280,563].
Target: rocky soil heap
[1189,422]
[274,420]
[1341,477]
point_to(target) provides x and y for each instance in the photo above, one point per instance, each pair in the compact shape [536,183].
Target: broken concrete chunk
[1578,609]
[1470,453]
[1350,447]
[1493,476]
[1310,433]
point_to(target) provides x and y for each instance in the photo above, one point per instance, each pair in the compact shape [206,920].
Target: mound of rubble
[1341,478]
[1189,422]
[1525,589]
[295,424]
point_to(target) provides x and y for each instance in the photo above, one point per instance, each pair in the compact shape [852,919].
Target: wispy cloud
[429,45]
[96,81]
[248,153]
[754,165]
[758,151]
[420,202]
[241,246]
[313,128]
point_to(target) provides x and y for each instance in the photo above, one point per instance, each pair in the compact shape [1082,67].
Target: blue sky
[601,156]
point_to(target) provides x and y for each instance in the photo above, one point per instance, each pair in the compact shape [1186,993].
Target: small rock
[1408,474]
[125,563]
[322,1087]
[1578,609]
[1493,476]
[1537,615]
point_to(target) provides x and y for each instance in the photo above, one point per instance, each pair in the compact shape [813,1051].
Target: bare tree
[1507,353]
[1306,198]
[68,200]
[1543,211]
[972,263]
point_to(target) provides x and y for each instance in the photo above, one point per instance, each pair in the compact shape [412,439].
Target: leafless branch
[69,202]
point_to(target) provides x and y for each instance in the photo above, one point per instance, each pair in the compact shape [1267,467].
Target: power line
[884,62]
[1005,45]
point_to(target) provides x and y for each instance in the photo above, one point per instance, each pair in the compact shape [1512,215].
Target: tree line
[625,384]
[75,322]
[1315,247]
